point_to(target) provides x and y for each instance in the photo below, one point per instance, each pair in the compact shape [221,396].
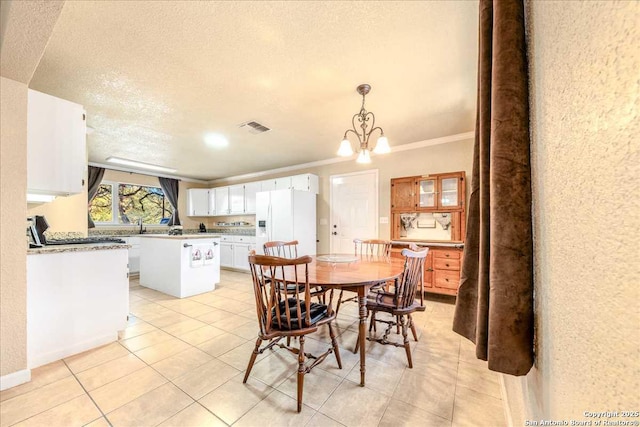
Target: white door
[198,201]
[353,209]
[250,190]
[222,200]
[226,254]
[241,256]
[236,199]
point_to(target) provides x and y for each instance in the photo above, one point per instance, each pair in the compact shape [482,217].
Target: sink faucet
[140,231]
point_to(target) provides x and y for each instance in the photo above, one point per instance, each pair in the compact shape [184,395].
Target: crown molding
[394,149]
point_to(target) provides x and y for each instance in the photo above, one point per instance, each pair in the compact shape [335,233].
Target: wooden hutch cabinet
[424,202]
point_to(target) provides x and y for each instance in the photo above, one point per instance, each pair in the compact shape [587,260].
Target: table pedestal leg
[362,305]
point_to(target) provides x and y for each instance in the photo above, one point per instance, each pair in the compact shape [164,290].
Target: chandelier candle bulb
[366,122]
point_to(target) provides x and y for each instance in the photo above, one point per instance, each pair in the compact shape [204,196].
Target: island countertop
[457,245]
[77,248]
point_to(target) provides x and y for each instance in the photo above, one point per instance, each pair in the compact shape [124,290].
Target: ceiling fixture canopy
[366,129]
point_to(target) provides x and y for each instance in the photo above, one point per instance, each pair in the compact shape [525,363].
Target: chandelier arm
[371,131]
[354,130]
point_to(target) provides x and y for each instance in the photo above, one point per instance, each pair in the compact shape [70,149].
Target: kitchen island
[77,299]
[181,265]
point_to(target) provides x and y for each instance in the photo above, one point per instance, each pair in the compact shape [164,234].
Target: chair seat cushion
[317,313]
[386,301]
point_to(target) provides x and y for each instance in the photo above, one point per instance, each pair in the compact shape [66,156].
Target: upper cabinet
[56,145]
[436,192]
[198,202]
[241,199]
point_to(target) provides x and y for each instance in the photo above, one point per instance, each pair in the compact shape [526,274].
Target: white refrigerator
[286,215]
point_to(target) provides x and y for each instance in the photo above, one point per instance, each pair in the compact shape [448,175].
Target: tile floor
[180,362]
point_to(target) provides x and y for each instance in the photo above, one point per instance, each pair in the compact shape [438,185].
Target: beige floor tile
[151,408]
[474,409]
[432,393]
[136,329]
[89,359]
[233,399]
[158,352]
[39,377]
[205,378]
[194,415]
[399,413]
[349,361]
[75,412]
[39,400]
[221,344]
[122,391]
[146,340]
[249,330]
[321,420]
[100,422]
[479,378]
[167,319]
[239,356]
[277,409]
[194,309]
[180,363]
[200,335]
[232,322]
[318,386]
[379,376]
[214,316]
[275,368]
[110,371]
[353,405]
[183,327]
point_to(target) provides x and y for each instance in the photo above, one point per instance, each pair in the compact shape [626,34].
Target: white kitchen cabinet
[283,183]
[250,190]
[234,251]
[236,199]
[268,185]
[305,182]
[198,202]
[134,254]
[56,145]
[241,256]
[222,200]
[226,254]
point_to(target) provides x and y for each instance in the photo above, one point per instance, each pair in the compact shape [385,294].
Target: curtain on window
[494,308]
[94,178]
[170,188]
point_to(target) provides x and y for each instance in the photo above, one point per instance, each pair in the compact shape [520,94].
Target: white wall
[585,74]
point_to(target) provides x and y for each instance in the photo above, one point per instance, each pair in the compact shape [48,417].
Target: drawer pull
[447,255]
[447,265]
[446,279]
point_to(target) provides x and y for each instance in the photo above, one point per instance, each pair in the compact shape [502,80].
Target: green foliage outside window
[133,202]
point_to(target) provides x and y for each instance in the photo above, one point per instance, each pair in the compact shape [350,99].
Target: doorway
[353,209]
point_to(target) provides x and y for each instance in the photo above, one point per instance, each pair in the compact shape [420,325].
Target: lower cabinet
[441,269]
[134,254]
[234,251]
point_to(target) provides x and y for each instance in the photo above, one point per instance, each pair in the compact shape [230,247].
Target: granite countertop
[426,243]
[133,232]
[77,248]
[180,236]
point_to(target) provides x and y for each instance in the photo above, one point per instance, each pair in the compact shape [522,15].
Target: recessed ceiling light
[136,164]
[215,140]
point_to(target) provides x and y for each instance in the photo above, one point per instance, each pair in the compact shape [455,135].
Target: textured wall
[585,76]
[64,214]
[13,250]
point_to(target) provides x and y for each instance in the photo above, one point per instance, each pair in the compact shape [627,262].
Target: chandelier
[361,120]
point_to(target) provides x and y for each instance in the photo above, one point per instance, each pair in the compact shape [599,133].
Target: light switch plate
[384,220]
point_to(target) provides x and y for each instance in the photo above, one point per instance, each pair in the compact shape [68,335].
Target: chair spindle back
[412,277]
[372,247]
[282,249]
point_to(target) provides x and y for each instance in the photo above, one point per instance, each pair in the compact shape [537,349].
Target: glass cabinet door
[427,189]
[449,192]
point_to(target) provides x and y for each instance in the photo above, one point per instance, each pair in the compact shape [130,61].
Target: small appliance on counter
[203,229]
[175,230]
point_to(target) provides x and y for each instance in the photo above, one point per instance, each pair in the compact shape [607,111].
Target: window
[132,203]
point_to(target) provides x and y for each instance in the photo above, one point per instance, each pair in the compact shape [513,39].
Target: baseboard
[14,379]
[33,361]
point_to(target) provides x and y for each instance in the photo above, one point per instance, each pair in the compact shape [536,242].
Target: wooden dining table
[355,273]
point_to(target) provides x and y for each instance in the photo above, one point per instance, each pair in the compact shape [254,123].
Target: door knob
[335,233]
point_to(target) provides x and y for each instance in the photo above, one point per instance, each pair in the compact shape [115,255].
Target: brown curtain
[170,189]
[494,308]
[94,178]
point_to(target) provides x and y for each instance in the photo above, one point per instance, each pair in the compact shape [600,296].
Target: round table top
[348,269]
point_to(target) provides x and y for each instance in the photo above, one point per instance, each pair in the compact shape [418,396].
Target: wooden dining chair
[401,302]
[372,248]
[281,249]
[282,313]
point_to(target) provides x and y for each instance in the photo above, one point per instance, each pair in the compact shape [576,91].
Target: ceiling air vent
[254,127]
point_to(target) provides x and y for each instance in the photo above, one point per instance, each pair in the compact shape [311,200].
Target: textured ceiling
[155,77]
